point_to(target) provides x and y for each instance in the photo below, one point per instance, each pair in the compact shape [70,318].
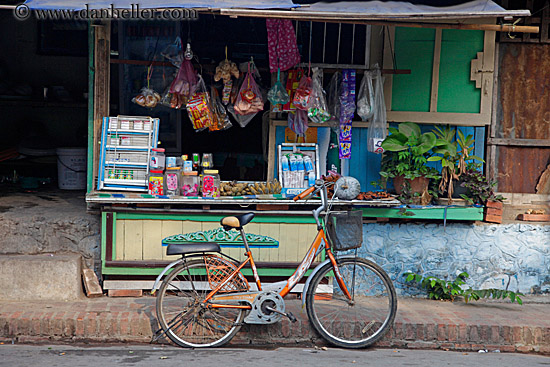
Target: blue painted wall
[365,165]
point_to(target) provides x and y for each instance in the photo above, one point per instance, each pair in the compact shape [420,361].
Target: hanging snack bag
[301,97]
[249,100]
[317,109]
[198,108]
[365,98]
[147,98]
[220,117]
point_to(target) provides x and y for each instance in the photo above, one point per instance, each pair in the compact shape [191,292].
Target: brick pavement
[420,323]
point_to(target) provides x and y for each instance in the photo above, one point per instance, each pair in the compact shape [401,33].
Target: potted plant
[453,155]
[406,154]
[481,191]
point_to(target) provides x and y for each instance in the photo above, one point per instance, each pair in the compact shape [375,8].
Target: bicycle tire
[181,316]
[355,324]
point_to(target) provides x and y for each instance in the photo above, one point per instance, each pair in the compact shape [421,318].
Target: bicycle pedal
[291,317]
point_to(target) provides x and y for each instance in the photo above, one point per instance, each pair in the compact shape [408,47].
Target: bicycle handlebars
[321,186]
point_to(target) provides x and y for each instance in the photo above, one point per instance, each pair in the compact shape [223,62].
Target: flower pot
[458,189]
[418,185]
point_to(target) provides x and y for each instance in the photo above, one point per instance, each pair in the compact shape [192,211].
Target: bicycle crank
[287,314]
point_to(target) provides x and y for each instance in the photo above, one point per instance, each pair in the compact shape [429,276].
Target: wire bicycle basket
[345,229]
[219,269]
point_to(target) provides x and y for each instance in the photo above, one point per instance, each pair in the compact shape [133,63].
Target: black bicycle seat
[236,221]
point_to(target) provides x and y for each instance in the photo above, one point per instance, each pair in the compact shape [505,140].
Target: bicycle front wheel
[357,322]
[182,314]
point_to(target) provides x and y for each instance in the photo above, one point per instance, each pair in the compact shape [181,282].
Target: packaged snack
[198,108]
[221,119]
[301,97]
[184,84]
[317,109]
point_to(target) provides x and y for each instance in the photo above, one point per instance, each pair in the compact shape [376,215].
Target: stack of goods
[298,170]
[234,188]
[374,195]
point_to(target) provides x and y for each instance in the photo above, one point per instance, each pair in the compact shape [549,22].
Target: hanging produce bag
[365,97]
[184,85]
[249,100]
[301,97]
[198,108]
[317,109]
[277,94]
[378,127]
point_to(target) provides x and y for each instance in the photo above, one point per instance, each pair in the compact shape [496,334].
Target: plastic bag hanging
[220,118]
[297,122]
[199,109]
[317,109]
[333,101]
[378,126]
[365,98]
[249,100]
[277,94]
[301,97]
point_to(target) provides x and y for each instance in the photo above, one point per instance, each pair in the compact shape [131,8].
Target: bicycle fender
[315,271]
[159,278]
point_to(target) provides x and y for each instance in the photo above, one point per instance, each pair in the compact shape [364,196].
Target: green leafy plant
[407,152]
[453,155]
[480,188]
[440,289]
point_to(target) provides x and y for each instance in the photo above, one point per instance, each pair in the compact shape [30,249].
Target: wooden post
[101,98]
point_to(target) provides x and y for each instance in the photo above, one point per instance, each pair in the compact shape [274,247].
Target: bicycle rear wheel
[358,322]
[183,317]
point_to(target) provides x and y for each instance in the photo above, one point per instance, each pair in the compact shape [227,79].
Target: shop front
[195,120]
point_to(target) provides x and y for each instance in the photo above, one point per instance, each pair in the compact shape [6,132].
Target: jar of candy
[190,183]
[210,183]
[172,178]
[157,159]
[156,182]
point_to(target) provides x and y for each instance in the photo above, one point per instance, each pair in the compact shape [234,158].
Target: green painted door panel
[414,50]
[457,93]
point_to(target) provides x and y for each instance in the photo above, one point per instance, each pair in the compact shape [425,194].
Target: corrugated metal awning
[160,4]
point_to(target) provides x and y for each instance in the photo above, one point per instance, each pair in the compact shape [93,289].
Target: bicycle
[205,299]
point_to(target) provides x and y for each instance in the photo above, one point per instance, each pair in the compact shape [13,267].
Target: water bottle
[308,164]
[300,163]
[284,164]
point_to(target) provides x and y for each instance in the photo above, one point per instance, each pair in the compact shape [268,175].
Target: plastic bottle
[300,163]
[311,178]
[157,159]
[308,164]
[284,164]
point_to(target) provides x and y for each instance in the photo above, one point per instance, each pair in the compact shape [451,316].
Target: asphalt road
[165,356]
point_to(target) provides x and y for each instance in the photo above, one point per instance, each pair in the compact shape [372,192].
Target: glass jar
[190,183]
[172,178]
[157,159]
[207,162]
[210,183]
[156,182]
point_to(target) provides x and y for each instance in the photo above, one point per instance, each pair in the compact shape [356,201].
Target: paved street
[140,355]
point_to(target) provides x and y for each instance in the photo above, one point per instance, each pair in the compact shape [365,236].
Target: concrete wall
[49,223]
[493,255]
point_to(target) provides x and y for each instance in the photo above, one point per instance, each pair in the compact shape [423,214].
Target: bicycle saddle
[237,221]
[191,248]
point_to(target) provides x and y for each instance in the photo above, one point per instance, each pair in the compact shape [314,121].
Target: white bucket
[71,168]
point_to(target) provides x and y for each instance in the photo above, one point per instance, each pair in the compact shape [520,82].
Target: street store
[246,84]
